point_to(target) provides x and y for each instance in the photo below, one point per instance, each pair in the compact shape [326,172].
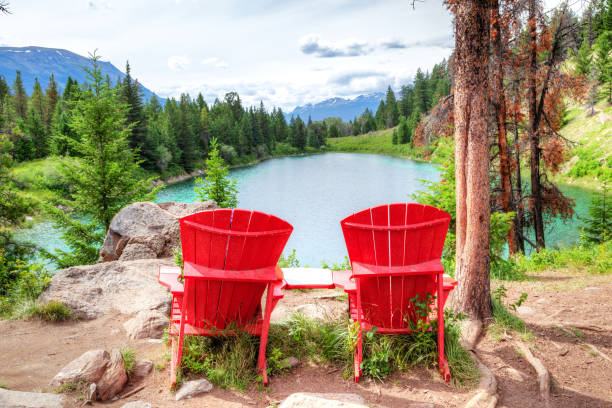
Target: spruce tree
[217,185]
[598,224]
[20,97]
[381,116]
[403,131]
[105,177]
[584,58]
[51,98]
[392,112]
[35,128]
[420,92]
[603,62]
[131,96]
[395,138]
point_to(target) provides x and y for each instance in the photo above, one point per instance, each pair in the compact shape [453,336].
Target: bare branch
[4,7]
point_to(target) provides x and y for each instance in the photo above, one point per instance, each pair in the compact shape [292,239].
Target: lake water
[314,193]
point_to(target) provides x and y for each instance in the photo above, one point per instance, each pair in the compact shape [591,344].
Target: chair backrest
[230,239]
[395,235]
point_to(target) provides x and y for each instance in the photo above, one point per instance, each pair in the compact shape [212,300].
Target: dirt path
[33,352]
[556,303]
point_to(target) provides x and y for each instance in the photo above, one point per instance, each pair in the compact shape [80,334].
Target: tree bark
[471,103]
[534,139]
[498,100]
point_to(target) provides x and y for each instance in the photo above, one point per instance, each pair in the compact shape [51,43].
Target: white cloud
[211,60]
[216,62]
[178,63]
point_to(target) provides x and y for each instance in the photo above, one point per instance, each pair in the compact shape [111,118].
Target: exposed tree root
[592,347]
[486,397]
[543,374]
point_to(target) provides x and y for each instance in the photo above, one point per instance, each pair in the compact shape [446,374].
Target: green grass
[594,259]
[590,161]
[129,359]
[505,321]
[230,362]
[53,311]
[41,179]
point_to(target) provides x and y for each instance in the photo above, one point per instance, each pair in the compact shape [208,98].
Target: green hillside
[590,161]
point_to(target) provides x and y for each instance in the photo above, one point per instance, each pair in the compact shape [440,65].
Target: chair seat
[308,278]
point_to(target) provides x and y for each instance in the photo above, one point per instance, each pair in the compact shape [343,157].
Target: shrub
[129,360]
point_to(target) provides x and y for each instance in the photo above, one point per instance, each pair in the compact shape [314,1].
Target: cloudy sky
[284,52]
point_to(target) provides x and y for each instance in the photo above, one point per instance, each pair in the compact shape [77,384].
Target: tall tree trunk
[534,139]
[518,219]
[498,100]
[471,101]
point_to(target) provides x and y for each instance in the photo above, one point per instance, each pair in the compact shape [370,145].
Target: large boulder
[127,287]
[147,324]
[147,230]
[88,368]
[114,378]
[323,400]
[19,399]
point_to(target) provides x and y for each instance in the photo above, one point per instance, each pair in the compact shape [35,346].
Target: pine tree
[20,97]
[71,90]
[603,62]
[131,96]
[217,185]
[404,133]
[598,224]
[405,104]
[381,116]
[35,128]
[105,178]
[420,92]
[51,98]
[395,138]
[584,58]
[392,112]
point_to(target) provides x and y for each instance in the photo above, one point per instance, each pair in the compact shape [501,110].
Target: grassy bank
[590,159]
[381,142]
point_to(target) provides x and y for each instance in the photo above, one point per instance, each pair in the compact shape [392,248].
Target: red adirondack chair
[395,254]
[229,260]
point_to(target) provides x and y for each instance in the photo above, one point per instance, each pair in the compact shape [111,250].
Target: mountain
[42,62]
[346,109]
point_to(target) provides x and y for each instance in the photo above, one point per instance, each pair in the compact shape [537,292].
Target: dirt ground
[33,352]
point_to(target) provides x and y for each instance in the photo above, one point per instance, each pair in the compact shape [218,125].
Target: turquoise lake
[314,193]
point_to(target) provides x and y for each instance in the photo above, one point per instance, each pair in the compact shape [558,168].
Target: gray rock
[323,400]
[114,378]
[192,388]
[127,287]
[137,251]
[148,324]
[88,368]
[592,288]
[292,362]
[147,230]
[19,399]
[525,311]
[141,369]
[136,404]
[314,311]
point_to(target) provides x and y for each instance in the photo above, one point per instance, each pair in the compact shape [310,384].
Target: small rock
[292,362]
[192,388]
[141,369]
[114,378]
[91,392]
[592,288]
[564,352]
[19,399]
[525,311]
[323,400]
[542,301]
[279,314]
[319,312]
[88,368]
[146,324]
[136,404]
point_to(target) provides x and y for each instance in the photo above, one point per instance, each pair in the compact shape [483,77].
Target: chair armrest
[194,271]
[449,283]
[277,288]
[168,276]
[425,268]
[342,279]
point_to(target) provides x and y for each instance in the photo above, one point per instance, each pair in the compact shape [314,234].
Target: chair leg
[177,345]
[261,360]
[358,355]
[442,362]
[173,362]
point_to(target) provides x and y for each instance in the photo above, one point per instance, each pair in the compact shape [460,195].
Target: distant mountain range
[346,109]
[42,62]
